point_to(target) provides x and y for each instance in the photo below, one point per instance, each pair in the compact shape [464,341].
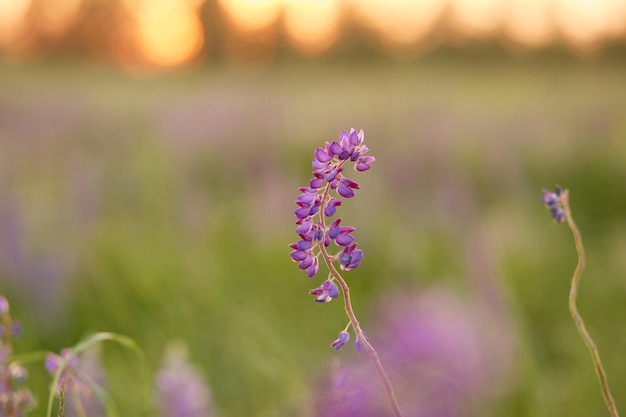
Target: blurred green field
[162,209]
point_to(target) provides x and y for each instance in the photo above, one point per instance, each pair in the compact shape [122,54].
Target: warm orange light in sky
[587,22]
[56,16]
[529,22]
[400,21]
[312,25]
[477,17]
[169,32]
[12,13]
[252,15]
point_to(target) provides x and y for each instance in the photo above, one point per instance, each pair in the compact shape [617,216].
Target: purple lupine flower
[68,378]
[321,199]
[326,292]
[341,340]
[182,391]
[434,340]
[350,258]
[552,201]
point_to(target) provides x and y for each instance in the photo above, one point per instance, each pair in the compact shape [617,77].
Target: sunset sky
[171,33]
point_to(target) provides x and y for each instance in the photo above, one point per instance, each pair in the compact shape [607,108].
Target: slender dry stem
[580,324]
[391,396]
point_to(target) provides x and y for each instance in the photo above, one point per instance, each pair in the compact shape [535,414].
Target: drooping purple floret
[325,292]
[343,338]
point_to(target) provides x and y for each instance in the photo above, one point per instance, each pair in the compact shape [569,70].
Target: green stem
[580,324]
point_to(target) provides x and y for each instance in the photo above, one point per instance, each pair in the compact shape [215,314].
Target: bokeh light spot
[169,31]
[312,25]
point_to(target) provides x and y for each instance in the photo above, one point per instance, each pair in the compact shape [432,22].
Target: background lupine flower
[182,392]
[68,378]
[15,399]
[552,201]
[437,354]
[329,164]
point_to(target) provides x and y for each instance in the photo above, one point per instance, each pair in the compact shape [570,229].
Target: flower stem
[354,322]
[580,324]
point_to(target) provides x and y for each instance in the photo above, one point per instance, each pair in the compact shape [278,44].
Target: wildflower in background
[15,398]
[553,202]
[68,376]
[75,380]
[437,350]
[181,390]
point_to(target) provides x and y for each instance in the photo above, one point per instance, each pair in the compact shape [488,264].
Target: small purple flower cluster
[553,202]
[315,204]
[15,398]
[67,378]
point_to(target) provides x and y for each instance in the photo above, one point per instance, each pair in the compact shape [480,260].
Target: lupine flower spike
[558,204]
[331,241]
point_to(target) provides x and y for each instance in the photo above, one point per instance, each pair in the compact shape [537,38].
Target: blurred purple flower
[182,391]
[437,353]
[552,201]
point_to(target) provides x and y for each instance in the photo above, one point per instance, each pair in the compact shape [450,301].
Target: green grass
[170,200]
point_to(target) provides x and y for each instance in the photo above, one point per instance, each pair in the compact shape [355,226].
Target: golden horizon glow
[584,23]
[169,32]
[528,22]
[55,16]
[312,25]
[12,14]
[400,21]
[477,17]
[252,15]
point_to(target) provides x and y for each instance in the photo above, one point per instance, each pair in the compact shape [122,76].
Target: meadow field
[161,208]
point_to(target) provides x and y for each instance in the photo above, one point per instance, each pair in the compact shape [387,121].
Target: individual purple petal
[354,137]
[306,262]
[334,148]
[312,270]
[298,255]
[318,166]
[304,227]
[304,244]
[344,239]
[321,155]
[317,182]
[341,340]
[302,212]
[306,198]
[549,199]
[344,191]
[362,166]
[331,207]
